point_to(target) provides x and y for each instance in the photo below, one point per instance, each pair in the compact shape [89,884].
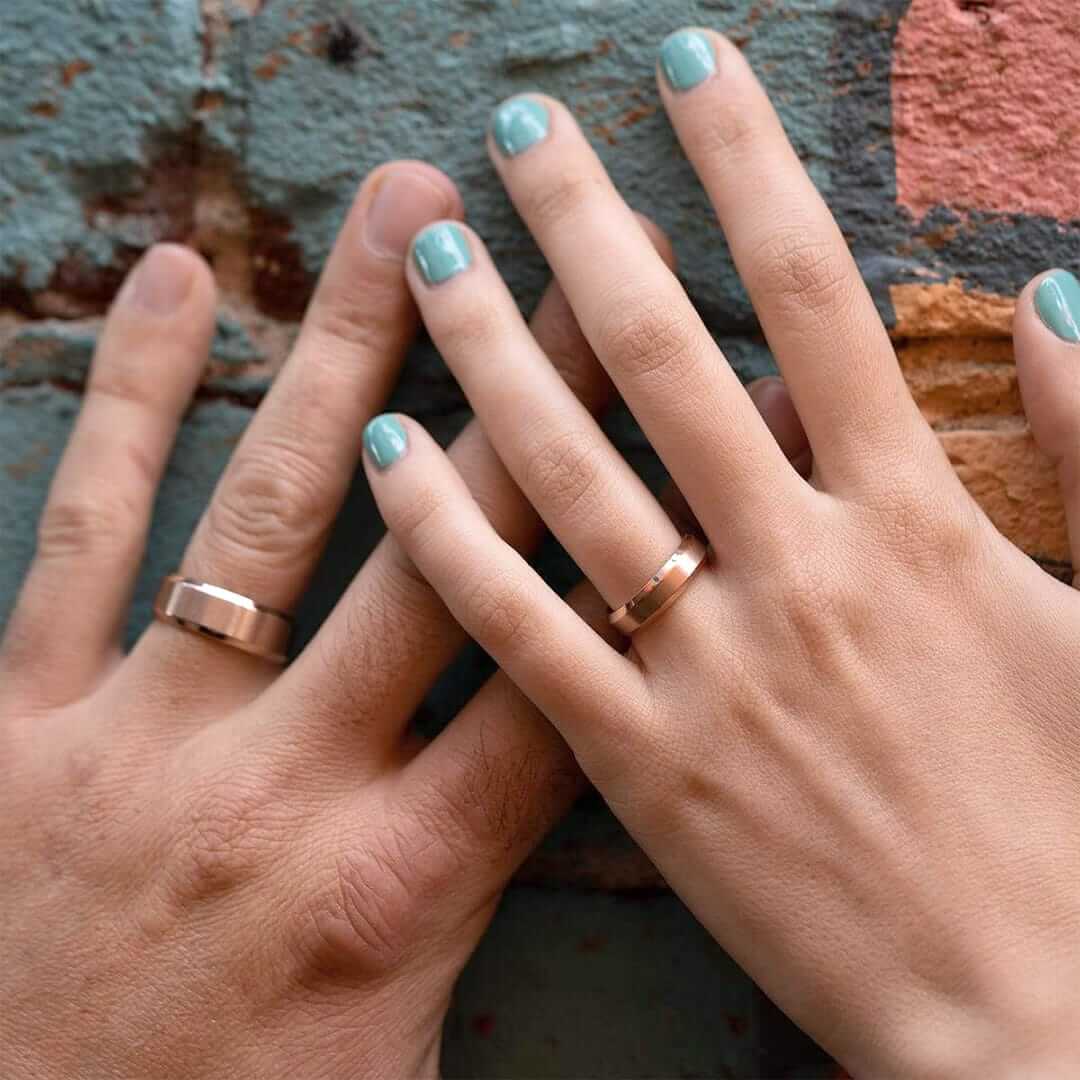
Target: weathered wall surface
[939,130]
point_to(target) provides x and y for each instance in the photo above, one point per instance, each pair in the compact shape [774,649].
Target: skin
[859,718]
[212,867]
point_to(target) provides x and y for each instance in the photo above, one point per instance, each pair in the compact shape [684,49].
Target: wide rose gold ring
[663,588]
[225,616]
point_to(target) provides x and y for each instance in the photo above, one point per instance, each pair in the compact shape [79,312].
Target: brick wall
[939,130]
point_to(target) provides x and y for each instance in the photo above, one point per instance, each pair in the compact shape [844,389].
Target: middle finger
[642,325]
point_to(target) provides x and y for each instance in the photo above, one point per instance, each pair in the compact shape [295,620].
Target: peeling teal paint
[37,352]
[91,92]
[56,350]
[307,130]
[232,343]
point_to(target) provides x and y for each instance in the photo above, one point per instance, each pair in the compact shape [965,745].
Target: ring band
[225,616]
[661,590]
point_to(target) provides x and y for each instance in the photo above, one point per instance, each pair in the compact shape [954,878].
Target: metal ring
[234,620]
[661,590]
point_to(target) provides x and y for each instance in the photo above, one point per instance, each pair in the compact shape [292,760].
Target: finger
[585,491]
[482,795]
[1046,333]
[817,314]
[772,400]
[66,630]
[559,335]
[500,776]
[641,324]
[272,511]
[496,597]
[377,655]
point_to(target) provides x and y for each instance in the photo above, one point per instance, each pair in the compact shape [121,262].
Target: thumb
[1046,336]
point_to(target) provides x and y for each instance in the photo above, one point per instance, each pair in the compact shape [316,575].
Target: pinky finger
[553,656]
[65,631]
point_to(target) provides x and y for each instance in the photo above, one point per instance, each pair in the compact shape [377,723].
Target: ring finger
[270,515]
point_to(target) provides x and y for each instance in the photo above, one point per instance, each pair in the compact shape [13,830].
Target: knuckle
[366,916]
[817,611]
[338,319]
[125,384]
[551,205]
[804,274]
[418,517]
[274,502]
[933,534]
[726,131]
[496,610]
[230,828]
[562,471]
[644,338]
[467,329]
[86,523]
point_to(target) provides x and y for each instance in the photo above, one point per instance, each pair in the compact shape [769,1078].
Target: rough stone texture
[935,128]
[98,127]
[994,140]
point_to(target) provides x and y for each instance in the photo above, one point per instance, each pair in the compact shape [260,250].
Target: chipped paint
[122,80]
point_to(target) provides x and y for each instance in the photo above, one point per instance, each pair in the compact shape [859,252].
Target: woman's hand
[209,868]
[852,743]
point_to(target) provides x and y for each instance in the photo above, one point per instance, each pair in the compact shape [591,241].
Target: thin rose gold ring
[225,616]
[663,588]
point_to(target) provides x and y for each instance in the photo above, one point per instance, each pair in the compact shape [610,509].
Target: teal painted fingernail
[385,441]
[441,251]
[686,59]
[1057,300]
[517,124]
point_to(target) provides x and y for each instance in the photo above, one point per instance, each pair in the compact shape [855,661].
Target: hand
[851,744]
[210,868]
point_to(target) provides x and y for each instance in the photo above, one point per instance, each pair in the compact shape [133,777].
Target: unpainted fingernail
[441,251]
[162,279]
[385,441]
[403,204]
[686,59]
[1057,300]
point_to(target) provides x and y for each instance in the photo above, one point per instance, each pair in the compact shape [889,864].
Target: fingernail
[1057,300]
[686,59]
[385,441]
[441,251]
[162,279]
[404,203]
[517,124]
